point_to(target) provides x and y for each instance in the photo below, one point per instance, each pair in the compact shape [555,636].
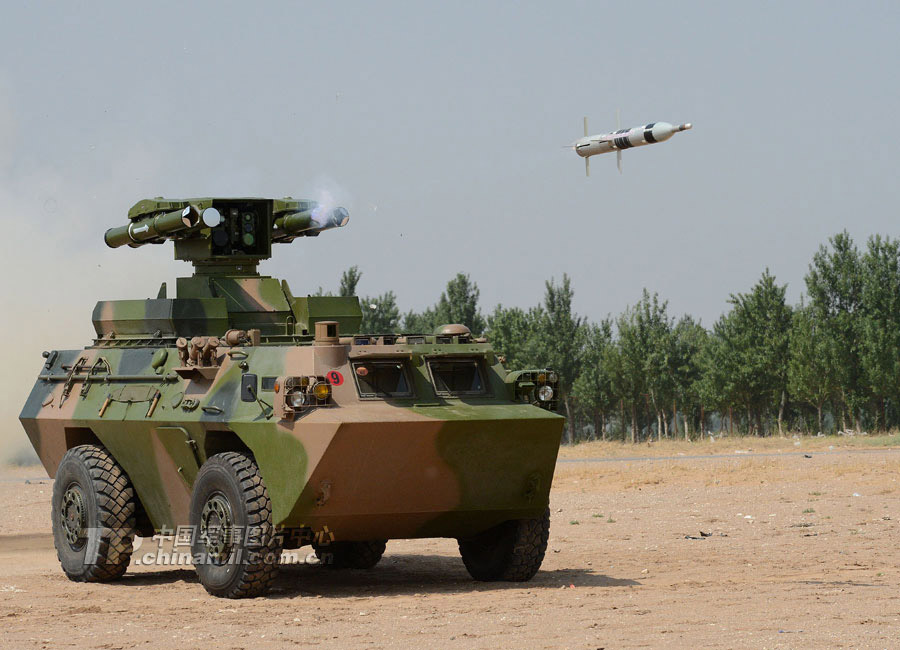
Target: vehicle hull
[360,469]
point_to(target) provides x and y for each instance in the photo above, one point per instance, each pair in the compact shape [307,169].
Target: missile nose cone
[685,127]
[340,217]
[662,131]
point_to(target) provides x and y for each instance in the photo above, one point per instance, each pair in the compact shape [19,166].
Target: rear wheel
[351,555]
[93,515]
[512,551]
[235,548]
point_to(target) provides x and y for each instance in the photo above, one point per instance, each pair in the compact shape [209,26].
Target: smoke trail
[329,194]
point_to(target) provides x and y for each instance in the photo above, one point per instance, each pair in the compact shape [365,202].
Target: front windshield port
[382,379]
[457,377]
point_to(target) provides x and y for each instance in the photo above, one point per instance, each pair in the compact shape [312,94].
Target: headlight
[553,378]
[545,393]
[321,391]
[296,400]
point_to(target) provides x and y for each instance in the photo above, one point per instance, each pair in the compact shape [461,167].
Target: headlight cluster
[538,387]
[301,393]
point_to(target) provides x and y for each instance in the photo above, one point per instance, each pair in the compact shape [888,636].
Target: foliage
[349,280]
[834,285]
[457,304]
[380,314]
[831,361]
[810,376]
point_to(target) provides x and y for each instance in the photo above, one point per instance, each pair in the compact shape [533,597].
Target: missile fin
[619,159]
[587,166]
[585,126]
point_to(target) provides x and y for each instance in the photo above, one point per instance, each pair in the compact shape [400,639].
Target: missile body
[592,145]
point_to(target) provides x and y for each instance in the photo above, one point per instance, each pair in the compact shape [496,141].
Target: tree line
[831,362]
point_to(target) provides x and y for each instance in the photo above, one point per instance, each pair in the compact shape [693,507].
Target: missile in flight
[592,145]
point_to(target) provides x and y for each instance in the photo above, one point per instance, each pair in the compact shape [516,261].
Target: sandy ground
[801,554]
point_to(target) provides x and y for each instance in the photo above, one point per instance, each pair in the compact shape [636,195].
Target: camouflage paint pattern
[362,468]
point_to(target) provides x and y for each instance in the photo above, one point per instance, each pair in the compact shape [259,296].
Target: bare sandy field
[801,552]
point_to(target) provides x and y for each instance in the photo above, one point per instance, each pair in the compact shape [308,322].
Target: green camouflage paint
[364,468]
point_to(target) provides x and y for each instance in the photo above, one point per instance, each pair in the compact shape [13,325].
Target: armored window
[457,377]
[382,379]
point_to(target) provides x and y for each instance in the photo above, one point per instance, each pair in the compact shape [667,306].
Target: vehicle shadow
[420,574]
[395,575]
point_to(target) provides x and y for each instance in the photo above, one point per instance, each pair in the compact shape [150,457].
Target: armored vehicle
[258,420]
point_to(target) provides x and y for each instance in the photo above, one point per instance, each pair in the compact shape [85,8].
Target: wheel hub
[72,516]
[216,528]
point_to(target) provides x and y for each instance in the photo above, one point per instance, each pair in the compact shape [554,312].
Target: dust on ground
[774,551]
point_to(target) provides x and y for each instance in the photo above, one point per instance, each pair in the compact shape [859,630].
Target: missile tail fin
[585,126]
[619,159]
[587,166]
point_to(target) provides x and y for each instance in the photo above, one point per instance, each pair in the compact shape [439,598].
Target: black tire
[512,551]
[93,515]
[351,555]
[235,547]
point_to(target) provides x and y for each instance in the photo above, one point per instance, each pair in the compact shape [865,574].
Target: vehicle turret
[224,239]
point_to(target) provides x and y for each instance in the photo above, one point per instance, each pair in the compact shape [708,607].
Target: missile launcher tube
[142,231]
[310,221]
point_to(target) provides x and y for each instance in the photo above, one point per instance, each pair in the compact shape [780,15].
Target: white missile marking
[652,133]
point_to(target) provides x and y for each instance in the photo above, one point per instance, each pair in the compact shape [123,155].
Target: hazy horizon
[442,128]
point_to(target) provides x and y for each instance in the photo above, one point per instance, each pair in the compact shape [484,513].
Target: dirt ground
[801,553]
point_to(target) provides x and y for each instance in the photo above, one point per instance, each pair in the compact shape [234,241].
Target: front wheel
[235,548]
[93,515]
[512,551]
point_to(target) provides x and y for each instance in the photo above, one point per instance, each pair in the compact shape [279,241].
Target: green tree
[880,332]
[643,378]
[349,280]
[717,389]
[655,321]
[810,377]
[635,344]
[592,390]
[458,304]
[754,338]
[689,341]
[380,314]
[512,333]
[550,335]
[559,339]
[834,286]
[423,322]
[719,361]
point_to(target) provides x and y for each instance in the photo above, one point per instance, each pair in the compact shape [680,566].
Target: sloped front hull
[432,472]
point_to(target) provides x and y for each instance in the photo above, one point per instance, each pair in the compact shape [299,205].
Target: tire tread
[255,578]
[116,505]
[527,543]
